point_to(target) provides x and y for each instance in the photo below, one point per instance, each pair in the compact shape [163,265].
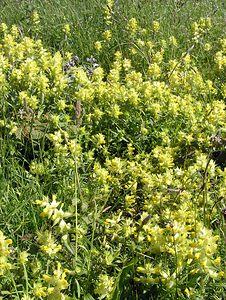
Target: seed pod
[224,212]
[78,112]
[146,220]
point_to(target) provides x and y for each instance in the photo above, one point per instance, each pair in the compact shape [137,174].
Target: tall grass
[86,20]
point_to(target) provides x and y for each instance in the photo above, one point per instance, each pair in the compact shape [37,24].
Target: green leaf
[121,280]
[88,297]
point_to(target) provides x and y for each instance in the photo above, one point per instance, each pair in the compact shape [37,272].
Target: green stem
[26,278]
[76,184]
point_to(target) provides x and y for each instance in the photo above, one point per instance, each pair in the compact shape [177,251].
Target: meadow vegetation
[113,160]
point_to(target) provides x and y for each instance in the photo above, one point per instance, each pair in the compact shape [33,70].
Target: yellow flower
[23,257]
[207,47]
[67,29]
[35,18]
[48,244]
[99,139]
[155,26]
[126,64]
[98,45]
[130,200]
[108,12]
[154,70]
[104,286]
[132,25]
[98,74]
[51,249]
[100,173]
[107,35]
[115,111]
[133,51]
[173,41]
[39,290]
[14,31]
[57,280]
[3,27]
[61,104]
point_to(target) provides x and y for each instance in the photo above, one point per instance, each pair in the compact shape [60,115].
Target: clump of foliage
[124,166]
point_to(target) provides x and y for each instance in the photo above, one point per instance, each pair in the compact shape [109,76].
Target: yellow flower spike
[115,165]
[47,212]
[50,290]
[133,51]
[75,148]
[127,64]
[56,137]
[154,70]
[207,47]
[23,257]
[48,244]
[99,140]
[55,119]
[67,271]
[35,18]
[208,23]
[141,270]
[158,57]
[33,102]
[4,253]
[104,286]
[134,79]
[98,114]
[3,27]
[14,31]
[173,41]
[194,271]
[171,251]
[61,105]
[98,46]
[132,25]
[217,261]
[115,111]
[203,263]
[130,149]
[98,74]
[221,274]
[155,26]
[44,202]
[140,43]
[57,280]
[150,45]
[107,35]
[164,44]
[188,292]
[51,249]
[108,10]
[213,274]
[23,96]
[47,278]
[118,56]
[4,243]
[39,290]
[81,76]
[67,29]
[4,265]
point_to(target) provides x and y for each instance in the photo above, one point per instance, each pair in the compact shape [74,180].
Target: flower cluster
[51,211]
[4,253]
